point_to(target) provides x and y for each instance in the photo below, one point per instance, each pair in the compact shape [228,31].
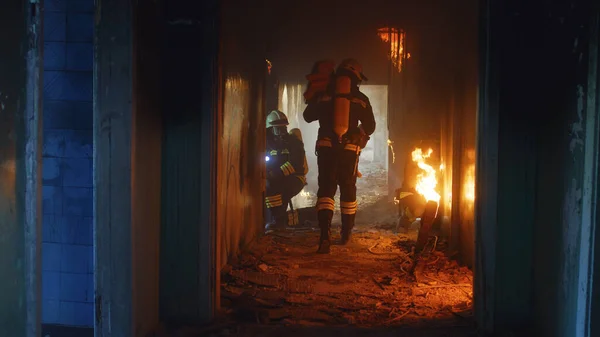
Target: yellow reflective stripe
[273,152]
[324,142]
[348,207]
[405,194]
[285,151]
[302,179]
[287,168]
[273,197]
[352,147]
[274,204]
[325,203]
[274,201]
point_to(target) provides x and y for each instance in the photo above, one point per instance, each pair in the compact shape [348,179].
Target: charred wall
[241,129]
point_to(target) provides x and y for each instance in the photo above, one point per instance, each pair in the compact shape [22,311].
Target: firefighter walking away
[286,168]
[339,107]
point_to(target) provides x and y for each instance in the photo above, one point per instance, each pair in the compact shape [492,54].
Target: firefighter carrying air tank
[335,100]
[286,168]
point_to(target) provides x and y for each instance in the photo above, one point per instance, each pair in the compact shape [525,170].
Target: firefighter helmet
[276,118]
[353,66]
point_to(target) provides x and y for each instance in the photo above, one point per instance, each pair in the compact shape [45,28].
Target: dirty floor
[365,284]
[281,286]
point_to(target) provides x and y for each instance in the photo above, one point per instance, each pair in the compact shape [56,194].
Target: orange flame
[396,40]
[427,179]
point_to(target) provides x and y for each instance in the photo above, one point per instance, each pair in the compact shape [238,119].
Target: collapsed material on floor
[282,281]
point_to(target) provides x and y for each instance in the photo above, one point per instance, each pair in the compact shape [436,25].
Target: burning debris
[418,199]
[427,179]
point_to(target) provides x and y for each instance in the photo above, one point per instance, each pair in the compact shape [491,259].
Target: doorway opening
[423,90]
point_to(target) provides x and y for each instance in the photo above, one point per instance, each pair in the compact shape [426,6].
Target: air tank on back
[341,104]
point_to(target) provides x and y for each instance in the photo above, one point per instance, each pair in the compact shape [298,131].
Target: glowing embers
[427,178]
[396,40]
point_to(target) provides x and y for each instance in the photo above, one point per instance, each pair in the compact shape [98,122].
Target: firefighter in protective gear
[338,147]
[286,168]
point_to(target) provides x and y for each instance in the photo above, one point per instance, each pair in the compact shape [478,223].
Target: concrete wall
[68,293]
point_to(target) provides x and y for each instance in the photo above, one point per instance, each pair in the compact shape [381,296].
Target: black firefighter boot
[347,225]
[325,225]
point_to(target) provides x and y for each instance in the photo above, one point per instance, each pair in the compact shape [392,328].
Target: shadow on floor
[66,331]
[433,328]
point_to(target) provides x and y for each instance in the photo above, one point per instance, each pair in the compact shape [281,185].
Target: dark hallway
[133,170]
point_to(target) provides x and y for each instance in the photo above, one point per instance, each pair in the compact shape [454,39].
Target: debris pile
[282,281]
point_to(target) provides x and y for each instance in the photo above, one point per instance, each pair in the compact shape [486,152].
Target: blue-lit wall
[67,250]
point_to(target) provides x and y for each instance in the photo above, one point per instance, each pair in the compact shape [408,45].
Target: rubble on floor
[283,281]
